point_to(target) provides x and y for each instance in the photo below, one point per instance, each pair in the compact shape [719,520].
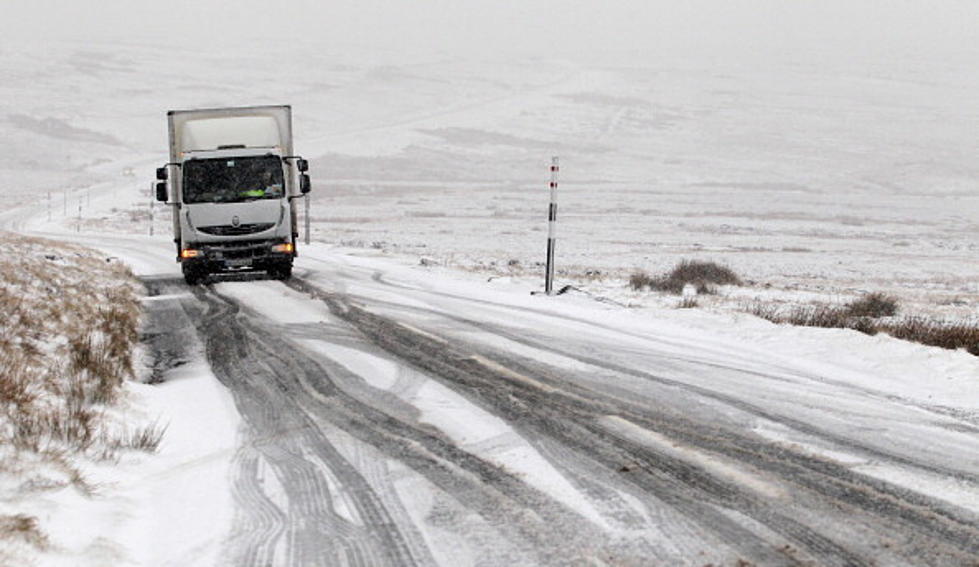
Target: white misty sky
[741,28]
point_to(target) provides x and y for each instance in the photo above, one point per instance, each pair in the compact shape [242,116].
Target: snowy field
[837,178]
[815,180]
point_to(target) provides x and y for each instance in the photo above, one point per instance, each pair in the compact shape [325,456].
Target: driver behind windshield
[225,180]
[270,185]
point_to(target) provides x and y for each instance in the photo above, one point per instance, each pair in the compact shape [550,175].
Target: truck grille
[239,250]
[229,230]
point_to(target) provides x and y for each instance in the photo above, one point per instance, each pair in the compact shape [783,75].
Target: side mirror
[304,184]
[161,192]
[302,165]
[161,173]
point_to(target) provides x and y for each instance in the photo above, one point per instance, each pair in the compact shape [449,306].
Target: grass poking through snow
[872,305]
[67,336]
[872,314]
[688,303]
[23,529]
[702,275]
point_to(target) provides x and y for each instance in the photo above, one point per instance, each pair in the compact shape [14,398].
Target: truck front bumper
[242,255]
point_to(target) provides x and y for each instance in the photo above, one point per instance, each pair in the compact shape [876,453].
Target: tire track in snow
[932,531]
[968,421]
[297,526]
[910,512]
[579,353]
[283,393]
[535,525]
[520,403]
[260,523]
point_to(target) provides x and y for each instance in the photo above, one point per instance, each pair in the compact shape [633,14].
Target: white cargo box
[219,128]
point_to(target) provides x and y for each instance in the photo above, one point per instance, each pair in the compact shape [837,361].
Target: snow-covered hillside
[836,178]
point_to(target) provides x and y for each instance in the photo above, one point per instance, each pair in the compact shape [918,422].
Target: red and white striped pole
[551,230]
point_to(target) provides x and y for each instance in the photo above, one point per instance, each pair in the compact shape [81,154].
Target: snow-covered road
[391,418]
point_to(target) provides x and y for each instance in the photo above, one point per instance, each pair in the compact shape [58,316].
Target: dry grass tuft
[146,439]
[15,383]
[702,275]
[688,303]
[641,280]
[67,342]
[23,528]
[873,305]
[863,315]
[67,336]
[964,335]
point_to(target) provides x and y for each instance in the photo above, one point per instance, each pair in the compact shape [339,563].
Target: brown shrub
[766,311]
[935,333]
[922,330]
[640,280]
[817,316]
[692,271]
[873,305]
[702,275]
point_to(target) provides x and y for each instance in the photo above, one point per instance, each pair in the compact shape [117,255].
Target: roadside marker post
[551,230]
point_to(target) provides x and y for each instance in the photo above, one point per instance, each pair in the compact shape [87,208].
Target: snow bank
[75,485]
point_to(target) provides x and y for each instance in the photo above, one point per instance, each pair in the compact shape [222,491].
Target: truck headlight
[285,248]
[189,253]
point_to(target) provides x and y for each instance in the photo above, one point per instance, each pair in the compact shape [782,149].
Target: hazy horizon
[753,31]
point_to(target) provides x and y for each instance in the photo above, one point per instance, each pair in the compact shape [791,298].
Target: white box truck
[232,181]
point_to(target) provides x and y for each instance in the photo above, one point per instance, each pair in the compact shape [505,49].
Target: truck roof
[209,129]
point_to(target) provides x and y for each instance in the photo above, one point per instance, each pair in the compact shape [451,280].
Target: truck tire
[193,276]
[281,271]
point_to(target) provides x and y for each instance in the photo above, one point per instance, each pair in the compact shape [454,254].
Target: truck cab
[232,181]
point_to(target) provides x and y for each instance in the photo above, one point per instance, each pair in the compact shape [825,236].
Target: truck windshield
[232,180]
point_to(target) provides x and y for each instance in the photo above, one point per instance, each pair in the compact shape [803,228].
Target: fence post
[551,230]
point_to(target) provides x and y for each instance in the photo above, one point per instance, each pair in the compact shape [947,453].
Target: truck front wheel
[193,275]
[281,271]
